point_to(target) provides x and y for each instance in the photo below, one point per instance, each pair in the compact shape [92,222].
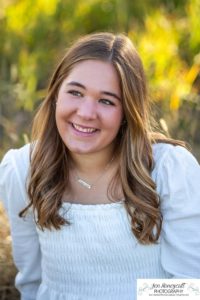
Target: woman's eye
[107,102]
[75,93]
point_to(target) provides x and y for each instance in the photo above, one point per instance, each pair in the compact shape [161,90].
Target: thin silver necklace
[88,185]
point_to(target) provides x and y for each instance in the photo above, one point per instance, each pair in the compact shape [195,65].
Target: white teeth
[83,129]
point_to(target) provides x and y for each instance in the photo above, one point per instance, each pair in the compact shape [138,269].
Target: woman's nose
[87,109]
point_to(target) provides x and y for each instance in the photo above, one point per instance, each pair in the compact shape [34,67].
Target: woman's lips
[83,129]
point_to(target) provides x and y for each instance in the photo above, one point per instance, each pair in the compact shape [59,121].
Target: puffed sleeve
[178,181]
[25,243]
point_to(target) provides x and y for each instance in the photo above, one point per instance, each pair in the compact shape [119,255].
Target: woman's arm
[178,181]
[25,243]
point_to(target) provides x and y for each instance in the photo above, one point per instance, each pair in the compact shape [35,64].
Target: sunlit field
[7,269]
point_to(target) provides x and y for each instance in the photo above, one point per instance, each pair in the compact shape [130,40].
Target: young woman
[98,200]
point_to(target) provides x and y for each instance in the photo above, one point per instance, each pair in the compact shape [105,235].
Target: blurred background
[34,35]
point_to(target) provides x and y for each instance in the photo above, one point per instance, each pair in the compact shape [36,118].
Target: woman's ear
[123,122]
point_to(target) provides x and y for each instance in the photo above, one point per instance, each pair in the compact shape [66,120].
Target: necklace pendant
[85,184]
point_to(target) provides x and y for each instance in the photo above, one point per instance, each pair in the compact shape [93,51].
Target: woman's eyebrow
[111,94]
[75,83]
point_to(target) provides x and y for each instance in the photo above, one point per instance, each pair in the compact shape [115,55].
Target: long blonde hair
[49,158]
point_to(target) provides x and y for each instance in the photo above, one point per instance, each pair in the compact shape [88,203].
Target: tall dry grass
[7,268]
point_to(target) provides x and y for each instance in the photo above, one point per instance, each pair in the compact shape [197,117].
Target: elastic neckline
[98,206]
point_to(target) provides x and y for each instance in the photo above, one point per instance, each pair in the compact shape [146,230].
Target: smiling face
[89,108]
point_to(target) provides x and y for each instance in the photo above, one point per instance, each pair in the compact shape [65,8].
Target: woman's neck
[92,163]
[90,177]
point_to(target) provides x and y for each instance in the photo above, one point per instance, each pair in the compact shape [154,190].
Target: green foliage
[35,33]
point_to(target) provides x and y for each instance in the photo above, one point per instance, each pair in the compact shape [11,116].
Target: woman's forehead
[94,73]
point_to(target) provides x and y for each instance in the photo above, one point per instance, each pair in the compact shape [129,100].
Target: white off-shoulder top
[97,256]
